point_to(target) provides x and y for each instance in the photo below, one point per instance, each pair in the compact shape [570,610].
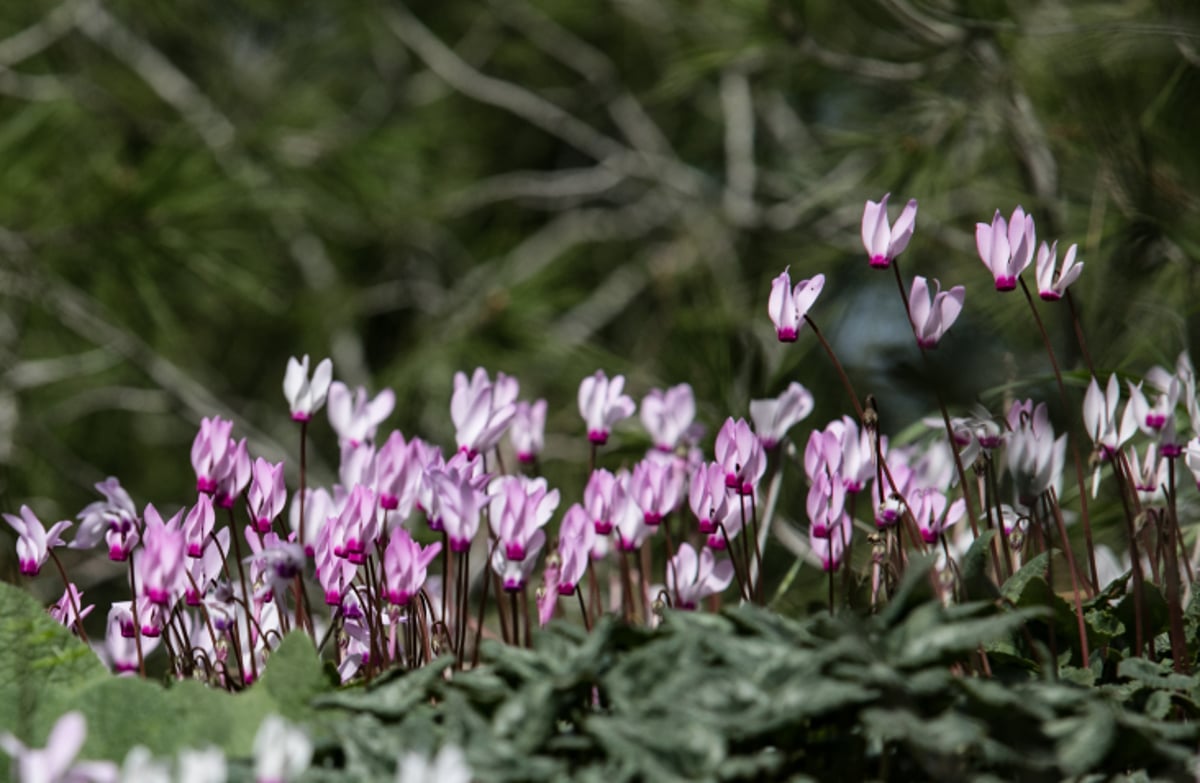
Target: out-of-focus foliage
[744,695]
[191,194]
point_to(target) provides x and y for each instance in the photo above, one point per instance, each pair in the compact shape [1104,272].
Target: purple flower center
[206,485]
[599,437]
[1006,282]
[879,262]
[787,334]
[603,527]
[514,550]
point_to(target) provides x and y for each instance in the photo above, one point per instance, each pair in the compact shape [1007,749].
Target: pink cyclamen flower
[98,517]
[773,418]
[884,242]
[1051,288]
[459,504]
[514,573]
[405,566]
[667,415]
[56,762]
[34,541]
[787,306]
[161,562]
[268,494]
[305,397]
[931,318]
[601,404]
[656,488]
[482,410]
[355,417]
[1006,247]
[598,500]
[519,507]
[708,496]
[933,516]
[211,453]
[528,430]
[692,577]
[830,550]
[198,525]
[64,609]
[739,451]
[236,478]
[576,539]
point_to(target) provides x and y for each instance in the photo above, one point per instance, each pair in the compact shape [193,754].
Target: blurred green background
[194,191]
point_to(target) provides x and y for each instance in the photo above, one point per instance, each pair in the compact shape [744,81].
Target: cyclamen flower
[787,306]
[598,500]
[667,415]
[236,478]
[883,242]
[576,538]
[268,495]
[773,418]
[34,541]
[742,456]
[482,410]
[826,505]
[830,550]
[1034,457]
[405,566]
[692,577]
[198,525]
[459,503]
[931,319]
[515,572]
[932,515]
[318,508]
[354,417]
[656,487]
[528,430]
[1006,248]
[161,562]
[96,518]
[519,508]
[708,497]
[64,609]
[353,532]
[305,397]
[211,453]
[1050,288]
[56,762]
[601,404]
[1100,417]
[398,474]
[203,571]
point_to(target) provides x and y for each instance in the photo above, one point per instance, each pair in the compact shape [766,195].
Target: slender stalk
[994,493]
[1131,531]
[837,366]
[587,623]
[237,553]
[1087,357]
[528,619]
[1050,500]
[1062,393]
[737,572]
[137,623]
[1170,521]
[482,605]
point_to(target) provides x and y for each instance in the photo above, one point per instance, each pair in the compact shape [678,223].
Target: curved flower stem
[1062,393]
[1119,470]
[237,553]
[1050,500]
[736,570]
[958,466]
[1170,521]
[1087,357]
[587,623]
[837,366]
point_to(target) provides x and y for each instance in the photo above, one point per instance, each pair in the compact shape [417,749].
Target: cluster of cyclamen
[1006,247]
[195,592]
[840,460]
